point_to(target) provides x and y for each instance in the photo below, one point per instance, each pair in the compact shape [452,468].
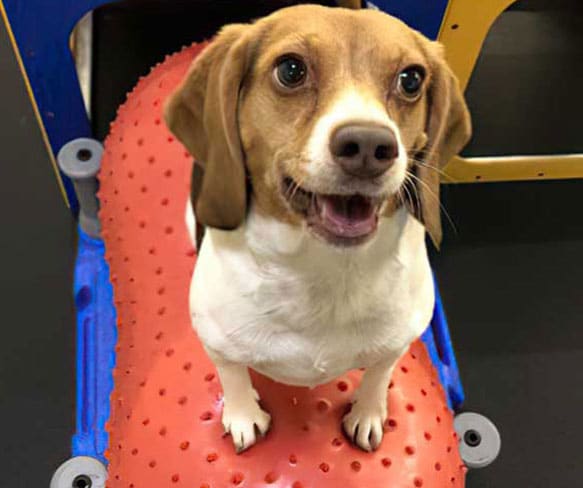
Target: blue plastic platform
[439,345]
[425,16]
[96,338]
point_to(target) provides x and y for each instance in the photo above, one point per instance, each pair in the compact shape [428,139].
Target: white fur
[292,307]
[191,222]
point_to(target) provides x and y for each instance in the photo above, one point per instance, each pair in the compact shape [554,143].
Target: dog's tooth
[321,205]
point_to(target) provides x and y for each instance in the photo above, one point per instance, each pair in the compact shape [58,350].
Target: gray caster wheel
[80,472]
[80,160]
[479,439]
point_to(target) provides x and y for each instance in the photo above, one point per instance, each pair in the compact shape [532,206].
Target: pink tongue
[347,216]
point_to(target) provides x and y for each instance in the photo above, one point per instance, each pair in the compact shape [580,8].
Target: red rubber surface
[165,428]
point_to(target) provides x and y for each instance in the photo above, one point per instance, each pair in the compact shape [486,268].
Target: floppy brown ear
[202,114]
[448,130]
[349,3]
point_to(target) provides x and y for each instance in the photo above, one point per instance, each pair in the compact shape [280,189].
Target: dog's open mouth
[343,220]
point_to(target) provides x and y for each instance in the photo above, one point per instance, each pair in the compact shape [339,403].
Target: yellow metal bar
[464,28]
[33,101]
[513,168]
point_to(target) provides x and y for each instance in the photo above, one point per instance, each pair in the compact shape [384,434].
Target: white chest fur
[276,299]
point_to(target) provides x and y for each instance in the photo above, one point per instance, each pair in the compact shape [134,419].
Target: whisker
[410,204]
[401,197]
[412,152]
[432,193]
[417,202]
[291,191]
[300,184]
[431,167]
[296,187]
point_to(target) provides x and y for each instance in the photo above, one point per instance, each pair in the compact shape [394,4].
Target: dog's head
[321,116]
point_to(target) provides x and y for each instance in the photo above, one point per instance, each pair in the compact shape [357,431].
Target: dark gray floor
[525,85]
[514,306]
[511,281]
[36,243]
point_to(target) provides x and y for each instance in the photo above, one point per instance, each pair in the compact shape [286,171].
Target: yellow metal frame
[465,26]
[35,109]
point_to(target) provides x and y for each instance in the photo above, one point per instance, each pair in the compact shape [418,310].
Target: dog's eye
[291,71]
[411,81]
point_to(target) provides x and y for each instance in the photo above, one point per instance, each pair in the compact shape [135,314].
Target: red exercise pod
[165,428]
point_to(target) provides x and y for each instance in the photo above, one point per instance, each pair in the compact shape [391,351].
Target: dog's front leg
[242,414]
[364,423]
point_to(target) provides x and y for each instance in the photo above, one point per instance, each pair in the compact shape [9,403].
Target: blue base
[425,16]
[96,338]
[440,348]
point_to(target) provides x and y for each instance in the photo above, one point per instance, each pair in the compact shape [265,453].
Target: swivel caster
[80,472]
[480,440]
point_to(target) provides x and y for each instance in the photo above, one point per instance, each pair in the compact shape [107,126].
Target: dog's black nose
[364,151]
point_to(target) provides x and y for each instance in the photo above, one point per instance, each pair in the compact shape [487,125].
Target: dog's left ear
[203,114]
[448,130]
[349,3]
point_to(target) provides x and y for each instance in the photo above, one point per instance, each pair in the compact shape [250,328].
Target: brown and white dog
[321,132]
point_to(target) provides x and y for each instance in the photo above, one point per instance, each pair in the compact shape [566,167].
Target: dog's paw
[243,421]
[364,424]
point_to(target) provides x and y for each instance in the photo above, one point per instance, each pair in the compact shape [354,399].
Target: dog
[320,133]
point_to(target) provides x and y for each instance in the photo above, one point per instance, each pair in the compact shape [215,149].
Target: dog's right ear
[448,130]
[202,114]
